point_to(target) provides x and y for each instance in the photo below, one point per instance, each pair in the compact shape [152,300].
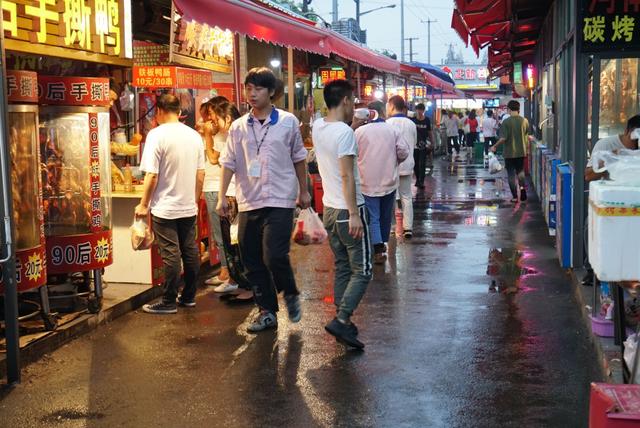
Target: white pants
[406,199]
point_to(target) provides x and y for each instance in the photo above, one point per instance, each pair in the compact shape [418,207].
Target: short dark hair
[169,103]
[420,106]
[335,91]
[490,113]
[513,105]
[225,110]
[261,76]
[398,103]
[472,114]
[377,106]
[633,123]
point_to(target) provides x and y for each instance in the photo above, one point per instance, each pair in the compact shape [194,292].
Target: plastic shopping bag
[623,167]
[494,164]
[141,235]
[630,349]
[309,228]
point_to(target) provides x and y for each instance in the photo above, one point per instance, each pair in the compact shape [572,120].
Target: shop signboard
[22,86]
[171,77]
[79,253]
[609,25]
[329,74]
[517,73]
[87,30]
[73,91]
[202,46]
[472,77]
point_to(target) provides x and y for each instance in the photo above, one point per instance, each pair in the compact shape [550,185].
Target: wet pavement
[471,323]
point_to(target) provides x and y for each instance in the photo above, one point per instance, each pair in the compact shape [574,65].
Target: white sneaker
[225,288]
[215,280]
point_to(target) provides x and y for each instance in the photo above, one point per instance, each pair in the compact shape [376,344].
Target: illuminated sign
[72,91]
[200,45]
[329,74]
[472,77]
[97,26]
[517,73]
[609,25]
[171,77]
[22,86]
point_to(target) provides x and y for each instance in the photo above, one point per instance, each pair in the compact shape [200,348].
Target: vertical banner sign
[609,25]
[94,161]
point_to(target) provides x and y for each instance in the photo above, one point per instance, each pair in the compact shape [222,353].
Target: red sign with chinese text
[73,91]
[31,269]
[22,86]
[171,77]
[79,253]
[94,174]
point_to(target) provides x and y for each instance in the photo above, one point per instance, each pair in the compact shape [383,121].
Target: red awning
[262,23]
[460,27]
[424,76]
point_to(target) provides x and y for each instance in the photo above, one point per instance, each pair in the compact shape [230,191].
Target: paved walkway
[448,343]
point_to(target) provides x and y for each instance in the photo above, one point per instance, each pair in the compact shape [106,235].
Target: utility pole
[357,12]
[428,22]
[334,12]
[411,53]
[402,30]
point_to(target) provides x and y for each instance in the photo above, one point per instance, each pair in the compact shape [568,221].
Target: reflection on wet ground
[470,323]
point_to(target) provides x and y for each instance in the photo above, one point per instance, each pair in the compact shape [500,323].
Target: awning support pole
[290,82]
[237,89]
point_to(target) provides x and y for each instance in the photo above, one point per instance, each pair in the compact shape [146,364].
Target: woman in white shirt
[218,114]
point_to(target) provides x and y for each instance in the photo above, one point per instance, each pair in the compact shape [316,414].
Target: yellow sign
[607,211]
[94,26]
[202,46]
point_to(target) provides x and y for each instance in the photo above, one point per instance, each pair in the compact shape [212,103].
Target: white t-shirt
[174,152]
[220,145]
[409,132]
[489,126]
[452,125]
[607,144]
[212,173]
[332,141]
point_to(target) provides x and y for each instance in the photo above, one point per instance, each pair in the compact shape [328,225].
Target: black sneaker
[293,307]
[160,308]
[344,333]
[186,304]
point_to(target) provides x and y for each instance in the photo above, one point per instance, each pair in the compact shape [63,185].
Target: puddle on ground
[506,266]
[63,415]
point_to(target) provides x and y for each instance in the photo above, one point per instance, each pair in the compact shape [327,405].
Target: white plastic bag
[309,228]
[233,232]
[494,164]
[630,349]
[623,167]
[141,235]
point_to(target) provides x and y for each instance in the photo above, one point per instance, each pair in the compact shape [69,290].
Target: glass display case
[76,187]
[619,94]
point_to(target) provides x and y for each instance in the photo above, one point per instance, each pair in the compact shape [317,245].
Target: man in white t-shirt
[614,143]
[489,131]
[173,161]
[345,215]
[452,124]
[397,117]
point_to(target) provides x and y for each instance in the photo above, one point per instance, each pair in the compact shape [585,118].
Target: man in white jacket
[397,117]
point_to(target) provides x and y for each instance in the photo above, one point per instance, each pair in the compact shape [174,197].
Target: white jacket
[409,133]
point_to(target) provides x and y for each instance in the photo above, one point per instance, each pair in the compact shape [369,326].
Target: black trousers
[452,142]
[177,241]
[472,137]
[515,172]
[461,136]
[420,168]
[264,236]
[488,143]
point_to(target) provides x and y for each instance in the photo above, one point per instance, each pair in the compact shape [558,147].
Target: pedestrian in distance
[462,128]
[381,148]
[513,134]
[489,129]
[345,213]
[214,135]
[397,117]
[472,123]
[265,153]
[452,125]
[425,146]
[173,162]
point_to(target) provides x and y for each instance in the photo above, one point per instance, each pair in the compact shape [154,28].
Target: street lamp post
[359,14]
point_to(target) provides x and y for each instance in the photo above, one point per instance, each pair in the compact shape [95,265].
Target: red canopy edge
[425,77]
[457,23]
[262,23]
